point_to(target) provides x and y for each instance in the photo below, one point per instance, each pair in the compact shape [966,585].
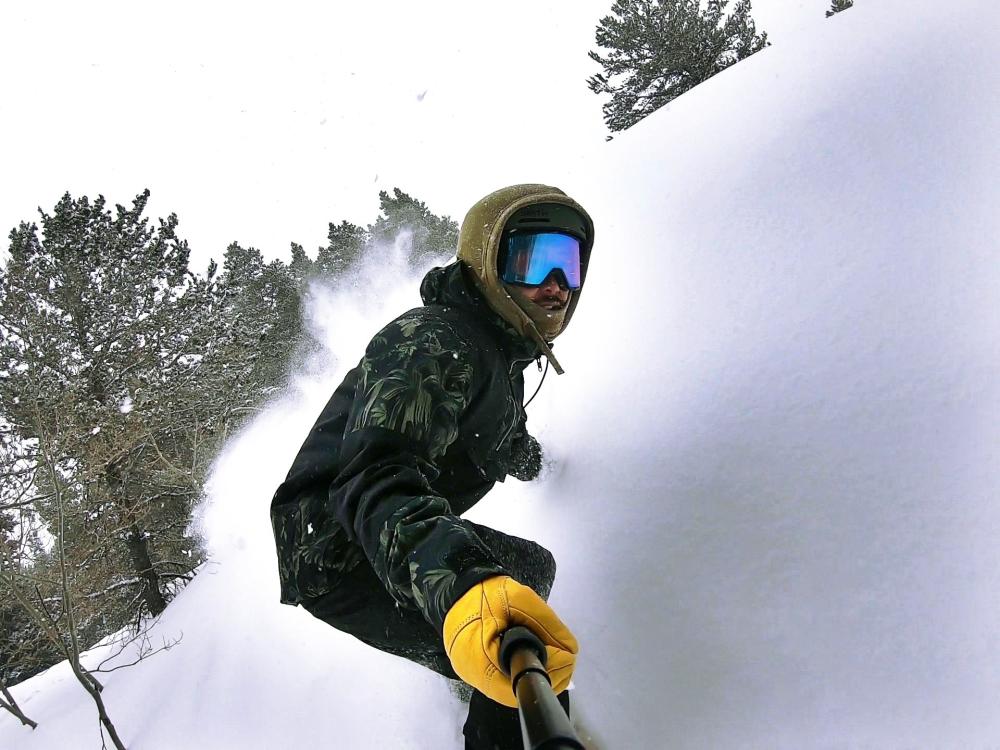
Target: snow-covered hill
[775,476]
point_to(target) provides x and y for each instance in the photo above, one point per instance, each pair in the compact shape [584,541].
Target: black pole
[544,724]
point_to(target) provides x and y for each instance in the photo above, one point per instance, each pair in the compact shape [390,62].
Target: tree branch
[8,703]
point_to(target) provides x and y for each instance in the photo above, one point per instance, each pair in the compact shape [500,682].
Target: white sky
[262,126]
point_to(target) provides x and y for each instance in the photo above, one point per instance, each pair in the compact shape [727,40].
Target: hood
[479,248]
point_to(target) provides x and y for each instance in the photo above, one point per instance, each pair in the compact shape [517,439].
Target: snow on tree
[838,5]
[659,49]
[92,317]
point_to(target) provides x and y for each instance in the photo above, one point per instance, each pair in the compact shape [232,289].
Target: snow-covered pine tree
[659,49]
[93,339]
[345,246]
[430,236]
[839,5]
[247,330]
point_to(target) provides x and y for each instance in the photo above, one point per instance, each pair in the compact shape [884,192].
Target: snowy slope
[775,470]
[785,421]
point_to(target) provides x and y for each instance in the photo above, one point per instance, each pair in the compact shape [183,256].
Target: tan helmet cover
[479,248]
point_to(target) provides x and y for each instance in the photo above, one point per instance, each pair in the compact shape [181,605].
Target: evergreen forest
[122,372]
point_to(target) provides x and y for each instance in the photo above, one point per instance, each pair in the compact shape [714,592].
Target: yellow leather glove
[476,622]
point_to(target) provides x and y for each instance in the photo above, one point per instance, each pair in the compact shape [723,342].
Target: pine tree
[346,243]
[426,236]
[659,49]
[839,5]
[429,237]
[247,331]
[93,342]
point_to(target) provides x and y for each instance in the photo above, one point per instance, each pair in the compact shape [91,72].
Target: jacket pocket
[314,553]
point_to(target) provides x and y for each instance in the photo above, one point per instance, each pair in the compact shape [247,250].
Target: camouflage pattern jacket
[416,434]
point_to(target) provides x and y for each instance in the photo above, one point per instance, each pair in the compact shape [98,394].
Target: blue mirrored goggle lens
[532,257]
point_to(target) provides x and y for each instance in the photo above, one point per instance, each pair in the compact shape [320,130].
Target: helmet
[515,208]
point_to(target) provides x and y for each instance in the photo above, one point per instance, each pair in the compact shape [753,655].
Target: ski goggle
[531,256]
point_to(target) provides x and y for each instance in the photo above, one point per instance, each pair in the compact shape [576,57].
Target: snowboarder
[367,522]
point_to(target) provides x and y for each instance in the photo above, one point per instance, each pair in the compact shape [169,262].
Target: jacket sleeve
[525,460]
[417,379]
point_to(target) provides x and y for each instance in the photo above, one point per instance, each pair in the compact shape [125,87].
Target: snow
[772,462]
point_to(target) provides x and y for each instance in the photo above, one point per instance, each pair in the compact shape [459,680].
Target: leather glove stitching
[539,629]
[503,598]
[471,620]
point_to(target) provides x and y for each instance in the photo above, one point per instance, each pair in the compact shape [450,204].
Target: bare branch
[144,651]
[8,703]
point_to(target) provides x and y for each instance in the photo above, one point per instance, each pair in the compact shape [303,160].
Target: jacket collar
[449,286]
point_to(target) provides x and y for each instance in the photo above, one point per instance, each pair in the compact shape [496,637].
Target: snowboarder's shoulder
[429,329]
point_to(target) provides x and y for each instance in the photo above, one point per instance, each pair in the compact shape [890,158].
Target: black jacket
[415,435]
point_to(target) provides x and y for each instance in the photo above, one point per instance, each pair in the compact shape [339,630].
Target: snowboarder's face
[549,295]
